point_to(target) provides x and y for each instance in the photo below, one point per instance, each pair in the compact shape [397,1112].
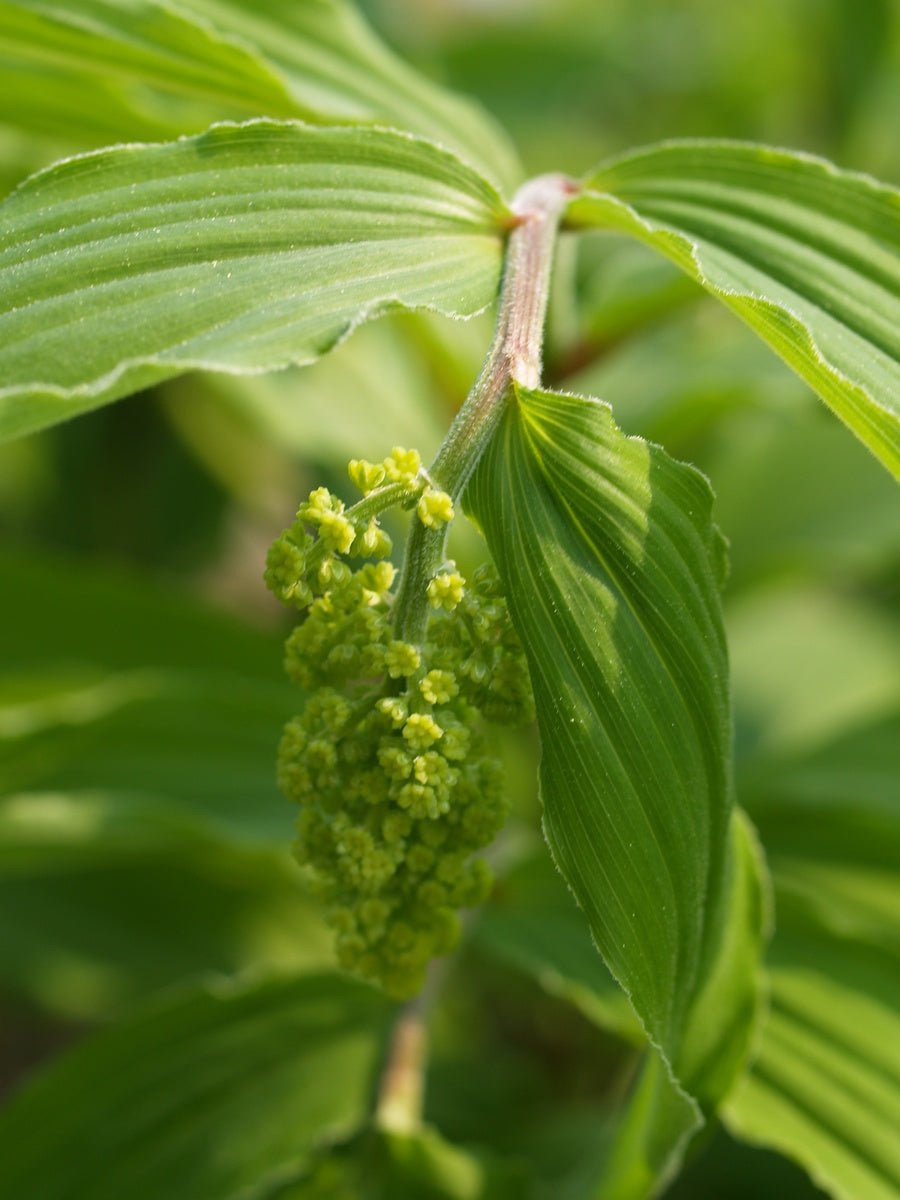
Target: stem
[401,1090]
[402,1086]
[514,357]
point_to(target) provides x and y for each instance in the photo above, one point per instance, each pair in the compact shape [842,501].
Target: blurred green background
[142,841]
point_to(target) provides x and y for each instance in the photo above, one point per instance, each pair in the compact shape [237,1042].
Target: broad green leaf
[245,249]
[335,67]
[111,685]
[612,567]
[47,113]
[807,255]
[141,40]
[203,740]
[825,1087]
[143,837]
[105,898]
[218,1093]
[317,61]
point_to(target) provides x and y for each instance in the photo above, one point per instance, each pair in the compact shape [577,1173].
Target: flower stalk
[515,356]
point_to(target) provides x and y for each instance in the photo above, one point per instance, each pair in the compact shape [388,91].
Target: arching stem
[514,357]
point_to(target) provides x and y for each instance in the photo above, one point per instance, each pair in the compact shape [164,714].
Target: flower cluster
[387,760]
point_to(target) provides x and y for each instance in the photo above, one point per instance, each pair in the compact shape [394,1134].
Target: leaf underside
[807,255]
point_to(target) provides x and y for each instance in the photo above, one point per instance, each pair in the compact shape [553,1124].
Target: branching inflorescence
[388,760]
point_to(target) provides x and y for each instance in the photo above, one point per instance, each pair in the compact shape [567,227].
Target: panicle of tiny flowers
[387,760]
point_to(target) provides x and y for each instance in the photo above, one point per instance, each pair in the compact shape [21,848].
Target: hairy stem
[514,357]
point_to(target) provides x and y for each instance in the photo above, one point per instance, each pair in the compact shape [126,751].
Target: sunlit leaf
[248,248]
[218,1092]
[807,255]
[317,60]
[612,567]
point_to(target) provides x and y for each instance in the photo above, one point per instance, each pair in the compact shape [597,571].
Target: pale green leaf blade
[138,40]
[807,255]
[337,68]
[825,1088]
[246,249]
[612,567]
[218,1092]
[317,61]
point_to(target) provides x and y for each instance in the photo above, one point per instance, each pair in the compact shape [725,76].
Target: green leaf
[217,1093]
[337,68]
[105,899]
[825,1087]
[612,568]
[205,741]
[317,60]
[143,837]
[144,694]
[807,255]
[246,249]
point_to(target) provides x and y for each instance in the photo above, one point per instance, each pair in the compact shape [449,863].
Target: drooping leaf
[807,255]
[218,1092]
[825,1087]
[317,61]
[612,568]
[245,249]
